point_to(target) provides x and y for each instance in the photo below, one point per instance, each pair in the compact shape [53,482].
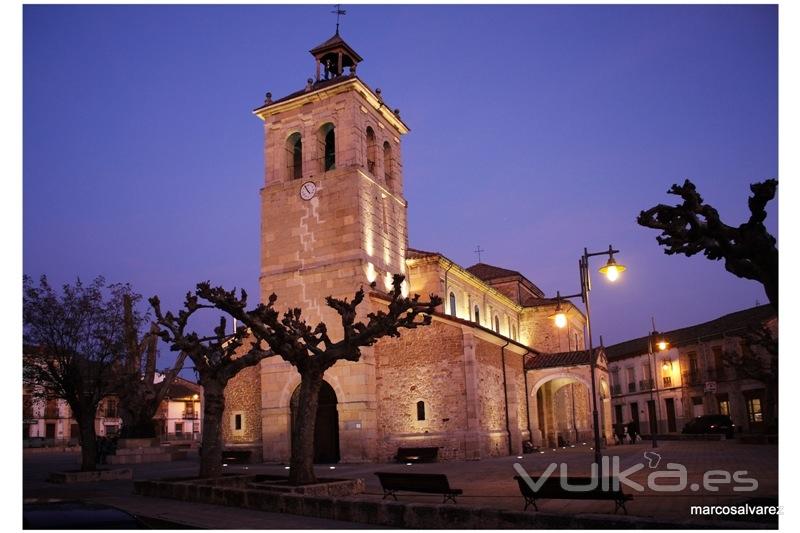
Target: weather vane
[478,251]
[338,12]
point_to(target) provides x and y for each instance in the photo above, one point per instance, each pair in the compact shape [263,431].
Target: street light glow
[560,320]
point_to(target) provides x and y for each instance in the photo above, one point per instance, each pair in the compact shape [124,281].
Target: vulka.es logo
[609,476]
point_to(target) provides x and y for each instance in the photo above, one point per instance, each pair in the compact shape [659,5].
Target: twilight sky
[535,131]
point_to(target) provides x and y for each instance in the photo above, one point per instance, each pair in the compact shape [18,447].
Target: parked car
[711,424]
[71,514]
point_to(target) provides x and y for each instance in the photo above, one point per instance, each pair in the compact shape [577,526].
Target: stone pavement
[488,482]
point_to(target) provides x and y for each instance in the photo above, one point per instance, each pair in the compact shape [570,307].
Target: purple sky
[535,131]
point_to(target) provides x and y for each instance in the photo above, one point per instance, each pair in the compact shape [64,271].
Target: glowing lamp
[612,269]
[667,366]
[560,319]
[662,345]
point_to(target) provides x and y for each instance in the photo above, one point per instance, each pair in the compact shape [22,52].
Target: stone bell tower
[333,219]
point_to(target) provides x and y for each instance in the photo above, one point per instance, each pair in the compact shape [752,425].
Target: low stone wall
[94,475]
[409,515]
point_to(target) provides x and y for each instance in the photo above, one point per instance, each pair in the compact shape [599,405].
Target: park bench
[391,482]
[236,456]
[417,455]
[552,489]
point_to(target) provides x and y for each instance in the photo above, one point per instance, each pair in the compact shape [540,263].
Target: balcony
[646,384]
[632,387]
[191,415]
[692,378]
[616,390]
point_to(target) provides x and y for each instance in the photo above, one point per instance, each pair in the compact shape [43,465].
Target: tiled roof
[412,253]
[489,272]
[729,324]
[335,42]
[182,388]
[553,360]
[321,84]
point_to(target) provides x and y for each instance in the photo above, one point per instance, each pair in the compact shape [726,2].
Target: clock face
[308,190]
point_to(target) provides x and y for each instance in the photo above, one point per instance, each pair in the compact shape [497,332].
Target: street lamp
[662,345]
[611,270]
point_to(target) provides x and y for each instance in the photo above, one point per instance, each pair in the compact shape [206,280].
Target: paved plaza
[488,482]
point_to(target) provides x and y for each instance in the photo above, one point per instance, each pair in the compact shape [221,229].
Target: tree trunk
[88,441]
[771,288]
[301,469]
[213,410]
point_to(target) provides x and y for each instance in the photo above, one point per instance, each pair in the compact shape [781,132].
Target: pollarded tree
[74,341]
[749,250]
[216,358]
[311,351]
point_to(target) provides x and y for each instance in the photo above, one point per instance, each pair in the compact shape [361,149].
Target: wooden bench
[551,489]
[236,456]
[391,482]
[417,455]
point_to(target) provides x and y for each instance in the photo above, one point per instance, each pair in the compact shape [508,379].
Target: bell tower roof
[334,55]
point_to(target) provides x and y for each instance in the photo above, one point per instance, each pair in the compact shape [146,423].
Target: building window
[420,410]
[111,409]
[387,163]
[328,138]
[754,410]
[496,324]
[371,156]
[477,315]
[294,156]
[179,428]
[452,304]
[631,380]
[514,332]
[237,422]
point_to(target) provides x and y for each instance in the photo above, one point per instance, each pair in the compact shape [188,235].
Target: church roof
[335,42]
[488,272]
[729,324]
[315,86]
[413,253]
[554,360]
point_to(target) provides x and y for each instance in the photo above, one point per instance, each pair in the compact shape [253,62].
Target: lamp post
[611,270]
[661,344]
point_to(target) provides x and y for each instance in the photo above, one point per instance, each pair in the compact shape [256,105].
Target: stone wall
[426,365]
[243,397]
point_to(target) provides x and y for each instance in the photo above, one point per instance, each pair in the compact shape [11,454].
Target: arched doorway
[326,429]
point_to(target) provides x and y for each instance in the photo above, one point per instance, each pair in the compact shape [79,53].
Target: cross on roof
[338,11]
[478,251]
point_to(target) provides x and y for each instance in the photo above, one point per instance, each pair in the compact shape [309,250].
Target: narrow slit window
[420,410]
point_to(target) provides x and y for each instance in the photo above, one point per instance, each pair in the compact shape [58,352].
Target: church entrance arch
[326,429]
[563,410]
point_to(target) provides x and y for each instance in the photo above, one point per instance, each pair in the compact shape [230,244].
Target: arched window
[514,332]
[496,324]
[477,314]
[387,163]
[327,135]
[452,304]
[420,410]
[294,156]
[371,148]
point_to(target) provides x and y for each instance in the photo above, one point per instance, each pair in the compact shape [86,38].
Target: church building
[492,370]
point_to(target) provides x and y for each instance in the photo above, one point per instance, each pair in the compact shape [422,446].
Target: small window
[328,139]
[237,422]
[497,324]
[477,314]
[420,410]
[452,304]
[294,156]
[371,155]
[387,163]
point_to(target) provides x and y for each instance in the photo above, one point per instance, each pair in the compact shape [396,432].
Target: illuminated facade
[334,220]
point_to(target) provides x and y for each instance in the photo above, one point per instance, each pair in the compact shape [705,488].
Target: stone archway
[563,414]
[326,429]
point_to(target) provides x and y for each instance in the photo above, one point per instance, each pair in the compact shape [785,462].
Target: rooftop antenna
[478,251]
[338,12]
